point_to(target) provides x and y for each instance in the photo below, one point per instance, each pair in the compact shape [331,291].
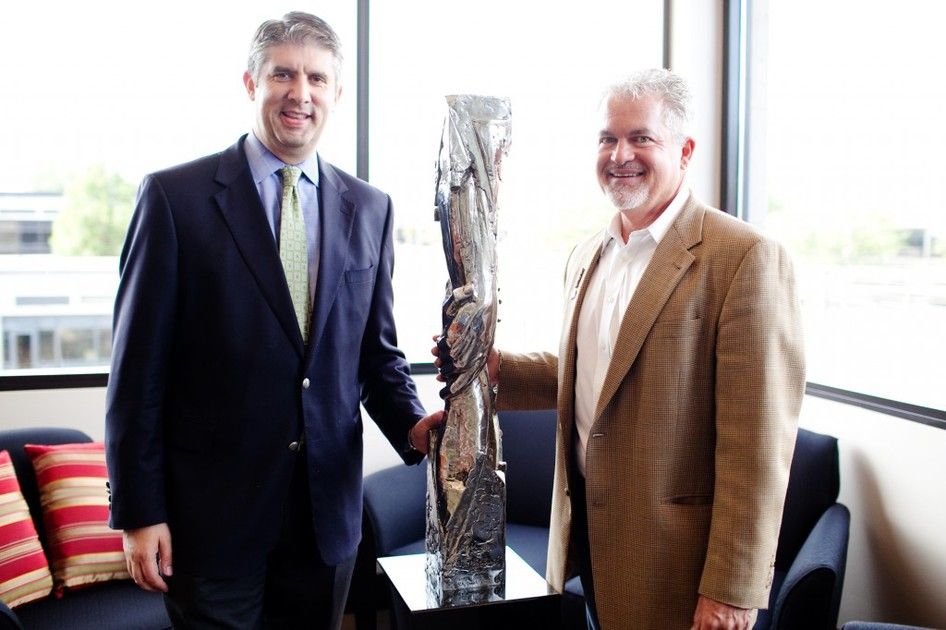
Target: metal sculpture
[466,488]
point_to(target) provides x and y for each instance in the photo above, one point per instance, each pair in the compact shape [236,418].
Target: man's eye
[643,139]
[606,140]
[281,76]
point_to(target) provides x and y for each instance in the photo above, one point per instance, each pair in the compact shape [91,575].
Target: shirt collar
[263,163]
[657,229]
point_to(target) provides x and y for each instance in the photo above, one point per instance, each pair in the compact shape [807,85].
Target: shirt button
[294,447]
[305,383]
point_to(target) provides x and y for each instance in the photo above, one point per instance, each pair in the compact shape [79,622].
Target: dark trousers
[294,589]
[582,548]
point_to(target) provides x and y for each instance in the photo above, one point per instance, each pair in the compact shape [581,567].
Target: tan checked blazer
[689,454]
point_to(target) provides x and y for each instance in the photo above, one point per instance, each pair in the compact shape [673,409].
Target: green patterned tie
[293,247]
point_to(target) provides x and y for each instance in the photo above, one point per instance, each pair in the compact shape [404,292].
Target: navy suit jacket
[211,381]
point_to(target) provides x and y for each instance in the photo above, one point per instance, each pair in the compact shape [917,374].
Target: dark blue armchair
[812,546]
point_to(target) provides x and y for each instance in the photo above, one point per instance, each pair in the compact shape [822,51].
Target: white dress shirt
[609,291]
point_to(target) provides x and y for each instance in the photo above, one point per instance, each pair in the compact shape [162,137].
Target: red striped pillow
[24,573]
[82,548]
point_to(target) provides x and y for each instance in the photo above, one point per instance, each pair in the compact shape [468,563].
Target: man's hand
[492,366]
[712,615]
[492,363]
[148,556]
[438,362]
[419,434]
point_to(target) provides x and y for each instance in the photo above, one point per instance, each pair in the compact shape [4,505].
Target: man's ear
[338,93]
[686,152]
[250,84]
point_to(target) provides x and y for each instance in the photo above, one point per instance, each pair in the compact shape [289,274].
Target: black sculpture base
[525,598]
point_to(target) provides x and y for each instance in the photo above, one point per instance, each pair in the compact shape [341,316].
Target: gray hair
[663,84]
[298,28]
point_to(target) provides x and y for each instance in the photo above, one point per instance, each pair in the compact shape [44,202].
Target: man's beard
[624,199]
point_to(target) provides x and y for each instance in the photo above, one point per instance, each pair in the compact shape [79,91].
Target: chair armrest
[395,506]
[8,619]
[811,593]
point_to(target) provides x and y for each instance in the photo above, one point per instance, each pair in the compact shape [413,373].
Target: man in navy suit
[233,428]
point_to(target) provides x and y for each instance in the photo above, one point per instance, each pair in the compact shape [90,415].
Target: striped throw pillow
[82,548]
[24,572]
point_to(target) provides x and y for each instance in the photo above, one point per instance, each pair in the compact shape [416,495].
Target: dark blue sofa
[116,605]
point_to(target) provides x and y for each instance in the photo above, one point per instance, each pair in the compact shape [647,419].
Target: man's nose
[622,152]
[299,89]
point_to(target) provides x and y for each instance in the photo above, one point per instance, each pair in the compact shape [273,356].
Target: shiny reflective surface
[466,488]
[522,583]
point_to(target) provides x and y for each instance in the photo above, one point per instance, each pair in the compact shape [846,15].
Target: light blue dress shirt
[265,169]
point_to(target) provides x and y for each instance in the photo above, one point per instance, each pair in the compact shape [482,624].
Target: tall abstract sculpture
[466,488]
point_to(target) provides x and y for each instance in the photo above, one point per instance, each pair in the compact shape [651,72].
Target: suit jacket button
[305,383]
[294,447]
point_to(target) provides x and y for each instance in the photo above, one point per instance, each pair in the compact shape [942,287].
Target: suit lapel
[670,262]
[336,214]
[243,212]
[586,260]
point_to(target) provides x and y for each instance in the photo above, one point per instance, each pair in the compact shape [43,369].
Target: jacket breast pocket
[690,499]
[360,276]
[676,328]
[353,302]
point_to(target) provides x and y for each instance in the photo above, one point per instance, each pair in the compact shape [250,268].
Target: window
[151,86]
[844,168]
[553,64]
[100,95]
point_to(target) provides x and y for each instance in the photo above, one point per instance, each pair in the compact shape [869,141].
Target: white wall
[893,473]
[82,409]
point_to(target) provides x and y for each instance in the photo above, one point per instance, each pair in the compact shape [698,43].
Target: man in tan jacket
[678,384]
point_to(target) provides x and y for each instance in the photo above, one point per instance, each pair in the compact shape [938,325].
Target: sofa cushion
[813,486]
[72,485]
[531,543]
[529,450]
[764,620]
[418,546]
[108,606]
[12,440]
[24,571]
